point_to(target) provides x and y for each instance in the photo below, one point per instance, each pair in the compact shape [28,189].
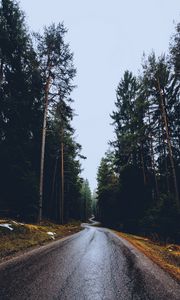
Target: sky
[107,38]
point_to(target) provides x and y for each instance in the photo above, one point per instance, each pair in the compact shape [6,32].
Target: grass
[166,256]
[24,236]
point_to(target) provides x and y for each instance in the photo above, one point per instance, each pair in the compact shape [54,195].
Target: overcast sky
[107,38]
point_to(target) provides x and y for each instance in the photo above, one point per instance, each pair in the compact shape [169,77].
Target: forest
[138,179]
[59,237]
[139,176]
[39,157]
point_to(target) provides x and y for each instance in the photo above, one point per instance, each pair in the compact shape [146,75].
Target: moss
[24,236]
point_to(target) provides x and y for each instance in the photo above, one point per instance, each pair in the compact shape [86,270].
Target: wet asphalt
[91,265]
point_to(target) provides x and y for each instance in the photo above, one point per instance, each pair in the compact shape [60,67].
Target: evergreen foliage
[20,112]
[86,201]
[139,183]
[36,80]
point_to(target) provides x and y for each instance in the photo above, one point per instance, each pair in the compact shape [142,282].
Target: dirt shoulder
[17,237]
[166,256]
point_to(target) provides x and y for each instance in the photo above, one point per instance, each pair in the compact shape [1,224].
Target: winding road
[93,264]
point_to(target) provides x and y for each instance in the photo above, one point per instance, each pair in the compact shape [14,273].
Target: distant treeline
[39,157]
[139,177]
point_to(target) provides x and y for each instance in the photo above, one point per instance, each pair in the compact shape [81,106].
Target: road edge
[24,254]
[146,254]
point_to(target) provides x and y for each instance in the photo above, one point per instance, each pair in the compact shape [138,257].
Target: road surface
[91,265]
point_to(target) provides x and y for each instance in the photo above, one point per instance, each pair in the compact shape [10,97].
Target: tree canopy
[140,180]
[39,156]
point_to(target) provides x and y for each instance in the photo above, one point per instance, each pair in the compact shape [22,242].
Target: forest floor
[17,237]
[166,256]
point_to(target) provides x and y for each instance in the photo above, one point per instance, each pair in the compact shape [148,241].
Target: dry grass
[24,236]
[166,256]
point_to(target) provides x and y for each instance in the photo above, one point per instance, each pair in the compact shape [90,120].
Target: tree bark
[143,164]
[54,179]
[62,179]
[152,158]
[1,71]
[164,115]
[47,86]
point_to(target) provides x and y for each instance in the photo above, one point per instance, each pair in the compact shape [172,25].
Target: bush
[162,220]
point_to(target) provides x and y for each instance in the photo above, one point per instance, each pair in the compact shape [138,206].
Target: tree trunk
[154,168]
[54,180]
[164,115]
[143,164]
[163,152]
[85,206]
[1,71]
[166,168]
[62,180]
[152,158]
[47,86]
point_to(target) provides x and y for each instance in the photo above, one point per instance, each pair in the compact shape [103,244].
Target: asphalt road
[91,265]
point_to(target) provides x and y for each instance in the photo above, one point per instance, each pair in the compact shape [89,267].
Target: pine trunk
[62,181]
[152,158]
[54,180]
[143,165]
[1,72]
[164,115]
[47,86]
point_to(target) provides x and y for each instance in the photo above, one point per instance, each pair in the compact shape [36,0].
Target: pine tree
[20,111]
[107,188]
[158,78]
[86,200]
[56,61]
